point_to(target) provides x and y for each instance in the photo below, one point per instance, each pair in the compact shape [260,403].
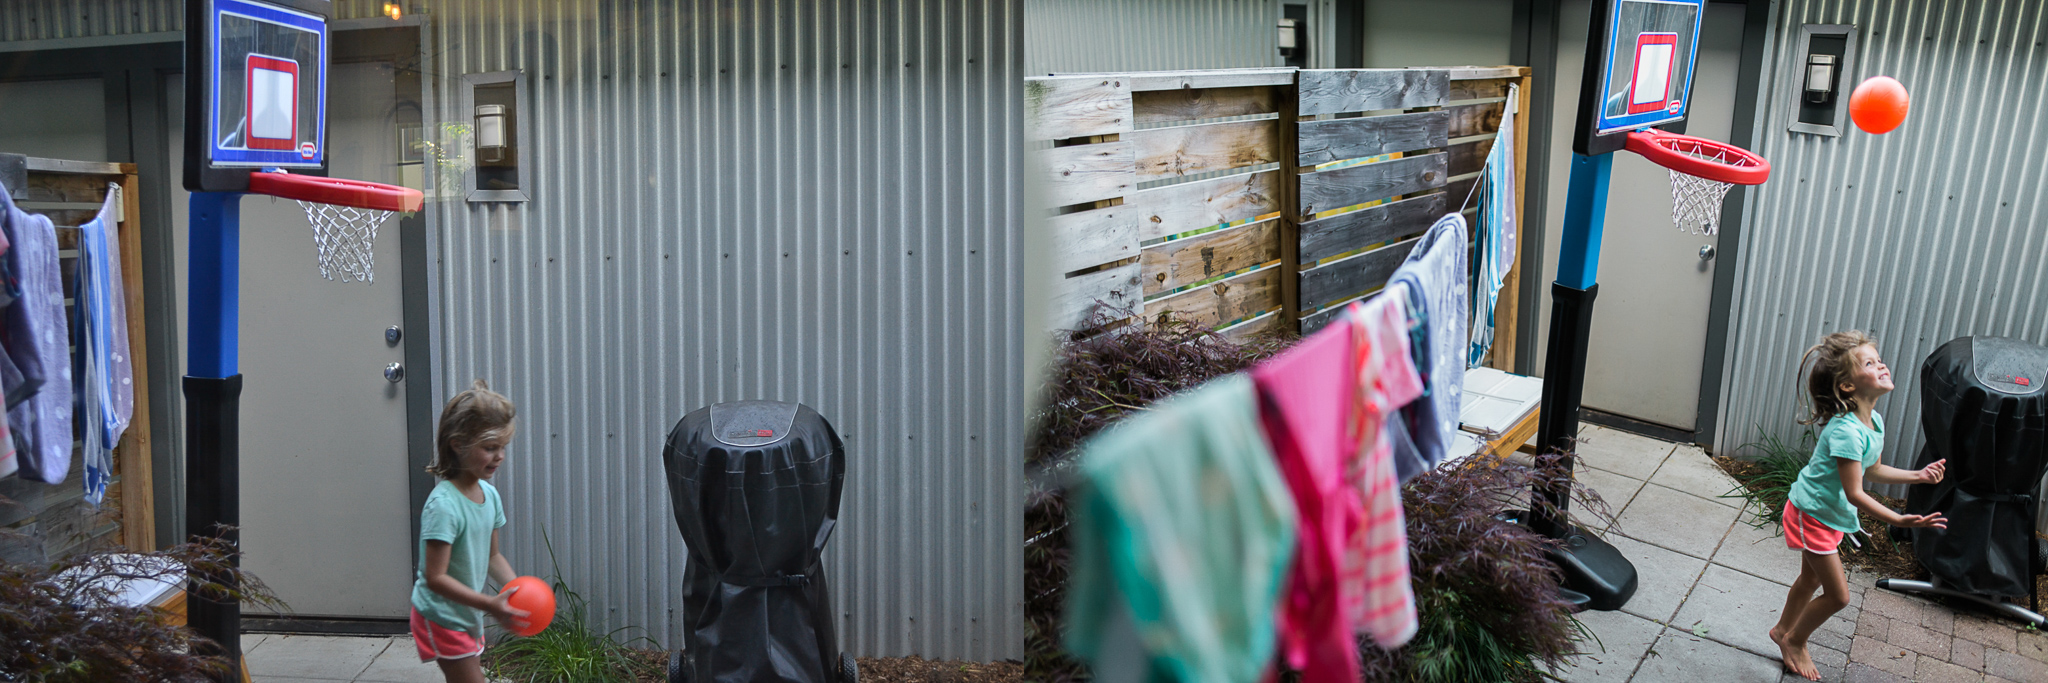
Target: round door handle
[1706,252]
[392,334]
[394,373]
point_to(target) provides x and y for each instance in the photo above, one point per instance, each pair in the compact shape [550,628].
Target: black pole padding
[1564,381]
[213,498]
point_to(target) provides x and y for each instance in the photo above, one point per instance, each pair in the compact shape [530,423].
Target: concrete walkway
[275,658]
[1710,587]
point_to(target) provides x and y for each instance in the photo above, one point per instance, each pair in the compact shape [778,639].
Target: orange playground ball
[535,598]
[1878,105]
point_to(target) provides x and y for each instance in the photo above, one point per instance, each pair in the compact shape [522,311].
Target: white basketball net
[345,236]
[1696,201]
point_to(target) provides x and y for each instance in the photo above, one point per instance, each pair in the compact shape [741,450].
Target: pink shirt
[1305,397]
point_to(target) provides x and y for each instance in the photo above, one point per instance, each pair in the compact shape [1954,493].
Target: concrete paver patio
[281,658]
[1710,586]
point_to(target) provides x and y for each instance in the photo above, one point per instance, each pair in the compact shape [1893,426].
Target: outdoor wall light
[1820,78]
[1815,92]
[1288,42]
[497,128]
[490,132]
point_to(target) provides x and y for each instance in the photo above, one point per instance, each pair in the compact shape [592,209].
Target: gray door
[326,512]
[1650,318]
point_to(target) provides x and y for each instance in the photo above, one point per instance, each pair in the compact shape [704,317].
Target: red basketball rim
[1694,156]
[357,193]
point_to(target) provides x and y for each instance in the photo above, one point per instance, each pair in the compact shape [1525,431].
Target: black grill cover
[756,491]
[1984,407]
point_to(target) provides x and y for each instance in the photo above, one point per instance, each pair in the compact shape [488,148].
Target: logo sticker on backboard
[307,150]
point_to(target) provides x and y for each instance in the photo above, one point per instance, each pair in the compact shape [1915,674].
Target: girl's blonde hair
[1827,368]
[469,417]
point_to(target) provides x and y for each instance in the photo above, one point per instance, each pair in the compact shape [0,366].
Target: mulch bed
[897,670]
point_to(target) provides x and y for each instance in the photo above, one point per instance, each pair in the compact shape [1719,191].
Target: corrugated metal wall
[48,19]
[805,201]
[1080,36]
[1932,232]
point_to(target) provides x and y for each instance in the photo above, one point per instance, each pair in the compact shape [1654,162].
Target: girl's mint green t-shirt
[466,526]
[1819,489]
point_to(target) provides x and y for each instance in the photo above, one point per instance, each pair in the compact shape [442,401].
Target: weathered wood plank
[1172,265]
[1478,72]
[1223,303]
[1324,238]
[1167,106]
[1468,157]
[1334,282]
[1076,299]
[1264,324]
[1058,108]
[62,187]
[1329,91]
[1340,139]
[1087,173]
[1213,78]
[1190,150]
[1175,209]
[1475,119]
[1478,89]
[1091,238]
[102,168]
[1341,187]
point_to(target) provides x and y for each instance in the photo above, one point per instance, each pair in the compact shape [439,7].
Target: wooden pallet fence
[1164,191]
[50,522]
[1255,199]
[1374,147]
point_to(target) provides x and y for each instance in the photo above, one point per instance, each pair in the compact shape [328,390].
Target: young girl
[459,536]
[1845,381]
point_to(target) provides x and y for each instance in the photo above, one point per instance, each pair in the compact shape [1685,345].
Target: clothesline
[1260,513]
[39,370]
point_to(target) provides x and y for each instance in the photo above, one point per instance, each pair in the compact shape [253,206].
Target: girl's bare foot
[1797,660]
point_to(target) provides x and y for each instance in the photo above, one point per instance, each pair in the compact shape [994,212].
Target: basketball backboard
[1639,68]
[257,89]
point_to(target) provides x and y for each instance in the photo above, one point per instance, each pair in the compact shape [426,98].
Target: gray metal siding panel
[1082,36]
[1922,235]
[801,201]
[52,19]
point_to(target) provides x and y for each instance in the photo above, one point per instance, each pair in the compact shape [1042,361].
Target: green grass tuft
[1779,466]
[568,651]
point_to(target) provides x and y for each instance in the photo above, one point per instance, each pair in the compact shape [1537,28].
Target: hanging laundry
[1496,234]
[46,425]
[1305,399]
[108,379]
[1436,274]
[1377,590]
[1182,517]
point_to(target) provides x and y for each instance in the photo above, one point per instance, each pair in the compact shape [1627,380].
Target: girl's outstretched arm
[1851,472]
[1886,474]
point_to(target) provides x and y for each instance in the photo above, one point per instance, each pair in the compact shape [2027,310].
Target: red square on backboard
[1649,88]
[271,103]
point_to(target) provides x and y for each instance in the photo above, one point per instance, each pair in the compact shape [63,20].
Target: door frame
[132,69]
[1533,41]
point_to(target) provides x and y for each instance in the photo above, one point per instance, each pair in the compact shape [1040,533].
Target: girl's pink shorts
[1803,532]
[440,642]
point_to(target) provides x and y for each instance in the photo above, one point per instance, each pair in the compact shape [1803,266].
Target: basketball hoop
[345,215]
[1702,171]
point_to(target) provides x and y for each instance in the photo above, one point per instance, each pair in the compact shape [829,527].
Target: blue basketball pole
[213,389]
[1591,566]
